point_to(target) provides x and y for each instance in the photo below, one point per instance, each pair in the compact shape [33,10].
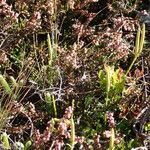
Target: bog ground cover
[74,74]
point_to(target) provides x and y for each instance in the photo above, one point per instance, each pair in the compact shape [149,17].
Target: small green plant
[27,145]
[127,145]
[21,146]
[8,89]
[5,85]
[112,83]
[50,100]
[11,93]
[147,127]
[4,138]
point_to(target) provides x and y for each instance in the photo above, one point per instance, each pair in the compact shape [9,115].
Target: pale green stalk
[72,129]
[112,139]
[109,72]
[140,37]
[15,84]
[50,50]
[137,43]
[54,106]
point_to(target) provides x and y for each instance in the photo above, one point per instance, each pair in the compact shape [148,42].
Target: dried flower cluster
[111,120]
[22,18]
[56,132]
[8,16]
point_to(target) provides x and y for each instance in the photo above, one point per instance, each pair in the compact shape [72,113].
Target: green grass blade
[50,50]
